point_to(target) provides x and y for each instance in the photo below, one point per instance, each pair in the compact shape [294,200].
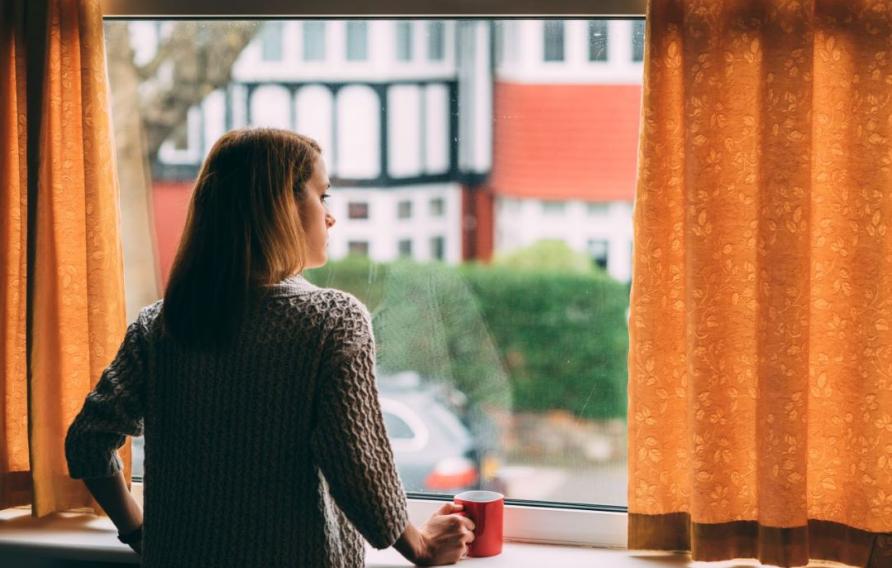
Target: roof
[563,142]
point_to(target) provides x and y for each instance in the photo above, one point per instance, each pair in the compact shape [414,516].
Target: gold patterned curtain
[63,309]
[760,417]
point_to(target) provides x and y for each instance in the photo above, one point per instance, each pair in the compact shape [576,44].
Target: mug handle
[478,526]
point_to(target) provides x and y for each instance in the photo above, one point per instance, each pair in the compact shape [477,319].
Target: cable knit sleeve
[349,440]
[112,410]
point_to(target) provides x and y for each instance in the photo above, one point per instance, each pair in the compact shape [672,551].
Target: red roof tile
[565,141]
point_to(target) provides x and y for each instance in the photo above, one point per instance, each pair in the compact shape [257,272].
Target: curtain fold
[75,318]
[763,426]
[15,483]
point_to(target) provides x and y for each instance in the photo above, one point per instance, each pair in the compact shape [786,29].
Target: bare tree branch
[191,62]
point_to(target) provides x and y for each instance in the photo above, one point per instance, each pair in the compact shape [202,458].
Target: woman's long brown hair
[242,232]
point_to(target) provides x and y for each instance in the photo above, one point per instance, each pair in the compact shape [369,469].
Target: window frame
[527,521]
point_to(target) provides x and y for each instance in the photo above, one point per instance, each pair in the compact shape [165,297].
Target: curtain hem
[793,546]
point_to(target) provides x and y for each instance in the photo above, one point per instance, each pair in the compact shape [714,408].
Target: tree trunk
[134,178]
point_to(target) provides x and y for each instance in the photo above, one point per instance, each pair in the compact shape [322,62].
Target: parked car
[439,447]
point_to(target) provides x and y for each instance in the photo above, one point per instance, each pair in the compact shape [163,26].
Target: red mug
[486,509]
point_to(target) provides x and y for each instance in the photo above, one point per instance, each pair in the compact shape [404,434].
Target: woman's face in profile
[315,217]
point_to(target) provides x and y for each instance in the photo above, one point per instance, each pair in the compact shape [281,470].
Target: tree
[150,101]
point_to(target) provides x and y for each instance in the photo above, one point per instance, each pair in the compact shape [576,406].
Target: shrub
[531,339]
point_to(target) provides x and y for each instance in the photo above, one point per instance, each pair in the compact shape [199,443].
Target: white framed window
[357,40]
[404,41]
[271,41]
[436,40]
[553,41]
[404,209]
[598,40]
[543,520]
[314,40]
[638,41]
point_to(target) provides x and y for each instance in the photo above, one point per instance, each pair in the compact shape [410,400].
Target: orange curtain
[760,395]
[75,285]
[15,482]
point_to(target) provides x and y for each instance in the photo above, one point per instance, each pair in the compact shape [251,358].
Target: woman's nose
[329,220]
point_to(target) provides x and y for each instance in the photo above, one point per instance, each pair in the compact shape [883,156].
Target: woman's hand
[446,536]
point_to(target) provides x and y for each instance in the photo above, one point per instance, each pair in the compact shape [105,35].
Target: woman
[264,440]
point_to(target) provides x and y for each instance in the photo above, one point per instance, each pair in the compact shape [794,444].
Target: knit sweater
[270,454]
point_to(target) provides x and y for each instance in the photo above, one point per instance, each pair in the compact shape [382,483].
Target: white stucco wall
[383,230]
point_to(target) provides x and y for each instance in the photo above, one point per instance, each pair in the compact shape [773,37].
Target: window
[554,207]
[397,428]
[543,445]
[638,40]
[357,41]
[436,39]
[181,138]
[271,41]
[357,210]
[597,208]
[554,40]
[314,41]
[597,249]
[499,40]
[404,41]
[358,248]
[404,210]
[438,248]
[597,40]
[404,247]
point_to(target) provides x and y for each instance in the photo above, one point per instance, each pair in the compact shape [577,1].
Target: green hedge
[521,338]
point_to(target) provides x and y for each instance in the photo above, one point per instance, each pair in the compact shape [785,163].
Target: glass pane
[357,210]
[499,298]
[597,40]
[357,41]
[638,40]
[435,41]
[314,41]
[404,41]
[271,41]
[554,40]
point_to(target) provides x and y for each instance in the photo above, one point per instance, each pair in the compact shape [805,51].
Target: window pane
[397,428]
[358,248]
[405,248]
[497,274]
[271,41]
[554,207]
[638,40]
[438,207]
[499,42]
[554,40]
[404,41]
[357,210]
[597,249]
[357,41]
[404,210]
[435,41]
[597,40]
[438,248]
[314,41]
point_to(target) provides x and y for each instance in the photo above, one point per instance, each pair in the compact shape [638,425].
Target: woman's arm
[115,499]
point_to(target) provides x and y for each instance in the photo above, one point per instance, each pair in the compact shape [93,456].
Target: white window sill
[72,536]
